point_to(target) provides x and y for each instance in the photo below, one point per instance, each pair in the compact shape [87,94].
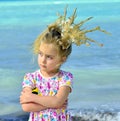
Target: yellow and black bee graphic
[35,91]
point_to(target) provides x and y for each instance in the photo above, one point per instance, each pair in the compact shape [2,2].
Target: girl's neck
[49,74]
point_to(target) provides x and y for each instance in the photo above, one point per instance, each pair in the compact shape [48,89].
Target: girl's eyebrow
[50,55]
[40,51]
[47,54]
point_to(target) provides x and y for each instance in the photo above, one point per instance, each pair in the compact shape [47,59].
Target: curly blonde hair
[52,35]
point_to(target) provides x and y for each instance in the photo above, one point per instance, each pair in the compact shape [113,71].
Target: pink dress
[49,86]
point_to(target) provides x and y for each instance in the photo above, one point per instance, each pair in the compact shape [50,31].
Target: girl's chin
[43,69]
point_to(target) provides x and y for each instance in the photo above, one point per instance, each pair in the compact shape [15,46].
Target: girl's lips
[43,66]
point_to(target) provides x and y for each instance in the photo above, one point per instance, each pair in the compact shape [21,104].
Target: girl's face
[49,60]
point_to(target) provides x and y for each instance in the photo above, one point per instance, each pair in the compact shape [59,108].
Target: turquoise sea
[96,90]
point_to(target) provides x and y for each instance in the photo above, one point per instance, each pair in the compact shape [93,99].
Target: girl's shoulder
[65,79]
[63,73]
[32,74]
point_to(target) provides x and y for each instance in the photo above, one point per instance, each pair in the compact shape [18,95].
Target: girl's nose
[43,59]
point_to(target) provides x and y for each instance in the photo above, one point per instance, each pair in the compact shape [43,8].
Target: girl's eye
[50,57]
[40,54]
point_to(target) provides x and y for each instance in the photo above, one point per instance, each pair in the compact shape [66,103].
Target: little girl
[53,85]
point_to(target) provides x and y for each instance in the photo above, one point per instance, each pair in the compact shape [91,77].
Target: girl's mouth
[43,66]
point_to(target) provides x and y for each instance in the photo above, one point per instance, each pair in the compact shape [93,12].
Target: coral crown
[72,33]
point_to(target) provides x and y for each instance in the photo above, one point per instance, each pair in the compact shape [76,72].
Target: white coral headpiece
[71,32]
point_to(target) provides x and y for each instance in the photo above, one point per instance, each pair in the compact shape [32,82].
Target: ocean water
[96,70]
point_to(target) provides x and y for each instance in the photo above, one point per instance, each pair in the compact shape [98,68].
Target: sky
[88,1]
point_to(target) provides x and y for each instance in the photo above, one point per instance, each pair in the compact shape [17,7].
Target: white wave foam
[95,115]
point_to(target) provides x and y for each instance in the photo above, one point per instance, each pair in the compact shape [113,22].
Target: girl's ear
[64,59]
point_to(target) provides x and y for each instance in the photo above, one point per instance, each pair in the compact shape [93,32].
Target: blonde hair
[52,36]
[64,32]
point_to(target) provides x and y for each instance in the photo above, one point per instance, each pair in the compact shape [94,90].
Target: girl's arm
[47,101]
[34,107]
[31,106]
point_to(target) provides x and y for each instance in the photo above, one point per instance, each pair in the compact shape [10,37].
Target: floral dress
[48,86]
